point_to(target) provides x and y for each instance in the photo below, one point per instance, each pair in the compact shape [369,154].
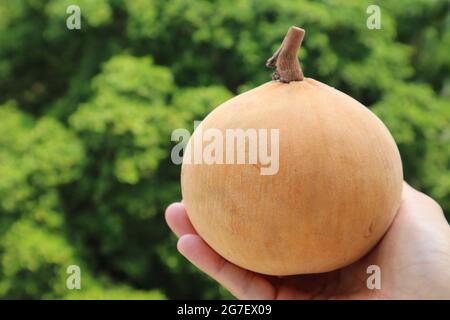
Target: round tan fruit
[334,195]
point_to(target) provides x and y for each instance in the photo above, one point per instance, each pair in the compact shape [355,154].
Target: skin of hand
[413,256]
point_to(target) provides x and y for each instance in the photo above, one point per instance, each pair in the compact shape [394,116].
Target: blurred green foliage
[86,117]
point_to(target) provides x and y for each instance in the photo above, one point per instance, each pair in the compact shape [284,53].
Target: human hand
[413,256]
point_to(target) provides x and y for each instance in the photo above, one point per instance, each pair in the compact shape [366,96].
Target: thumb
[421,206]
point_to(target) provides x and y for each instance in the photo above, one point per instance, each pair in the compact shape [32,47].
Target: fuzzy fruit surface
[336,192]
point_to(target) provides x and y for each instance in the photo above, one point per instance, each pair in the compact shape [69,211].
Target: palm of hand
[414,251]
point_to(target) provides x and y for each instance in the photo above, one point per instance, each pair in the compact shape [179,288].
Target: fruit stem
[285,58]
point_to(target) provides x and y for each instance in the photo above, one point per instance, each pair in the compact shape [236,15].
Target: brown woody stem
[285,58]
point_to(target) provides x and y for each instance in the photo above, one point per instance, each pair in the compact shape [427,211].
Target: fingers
[178,220]
[243,284]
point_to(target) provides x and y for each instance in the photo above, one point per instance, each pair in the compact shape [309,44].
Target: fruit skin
[336,192]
